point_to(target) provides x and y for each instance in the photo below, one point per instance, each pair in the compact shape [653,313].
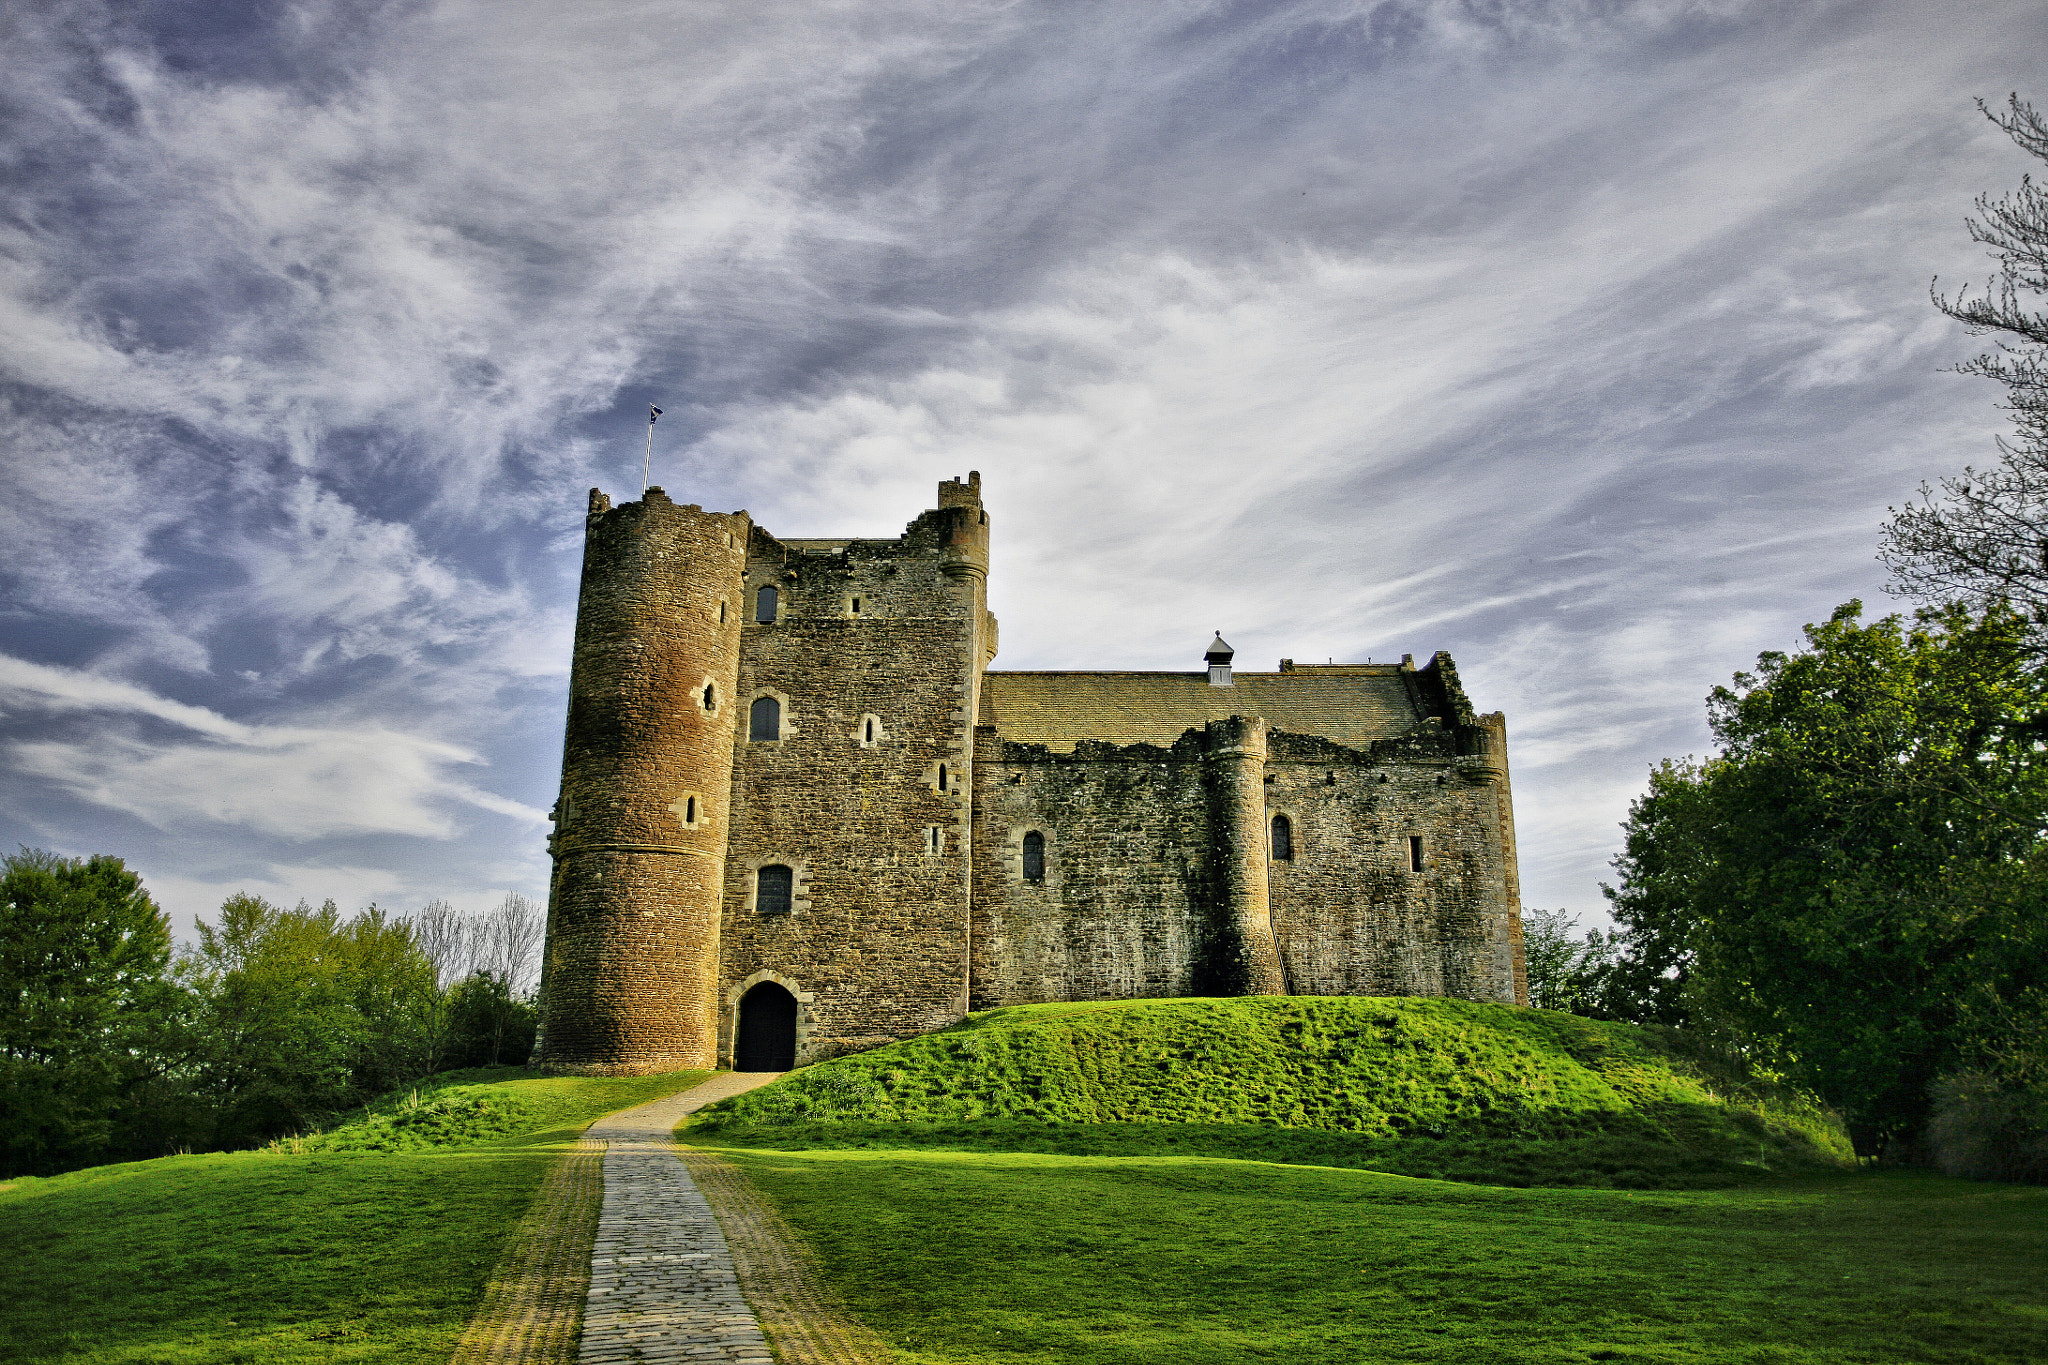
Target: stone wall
[1135,899]
[1126,905]
[875,656]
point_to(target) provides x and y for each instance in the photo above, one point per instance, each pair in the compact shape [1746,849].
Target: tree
[493,1026]
[1985,539]
[1565,973]
[304,1013]
[507,941]
[86,1011]
[1854,889]
[445,937]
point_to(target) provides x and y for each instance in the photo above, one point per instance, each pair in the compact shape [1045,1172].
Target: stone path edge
[806,1321]
[532,1311]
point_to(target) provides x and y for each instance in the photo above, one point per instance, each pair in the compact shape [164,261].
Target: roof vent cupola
[1218,658]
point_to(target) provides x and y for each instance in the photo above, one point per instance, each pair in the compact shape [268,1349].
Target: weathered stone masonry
[900,782]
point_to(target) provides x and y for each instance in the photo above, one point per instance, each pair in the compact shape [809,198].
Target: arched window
[764,604]
[764,719]
[942,777]
[773,886]
[1034,857]
[710,697]
[1283,837]
[871,730]
[690,811]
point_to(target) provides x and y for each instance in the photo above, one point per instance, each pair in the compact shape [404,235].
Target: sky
[1588,342]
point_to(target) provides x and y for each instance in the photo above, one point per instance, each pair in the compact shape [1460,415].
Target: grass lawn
[320,1255]
[970,1257]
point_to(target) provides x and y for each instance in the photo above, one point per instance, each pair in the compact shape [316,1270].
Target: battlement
[955,493]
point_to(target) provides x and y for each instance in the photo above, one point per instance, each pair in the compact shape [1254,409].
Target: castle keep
[801,816]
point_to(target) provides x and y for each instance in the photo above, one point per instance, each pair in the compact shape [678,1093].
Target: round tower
[631,973]
[1243,959]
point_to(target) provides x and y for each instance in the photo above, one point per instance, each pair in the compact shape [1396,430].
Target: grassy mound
[1416,1086]
[453,1109]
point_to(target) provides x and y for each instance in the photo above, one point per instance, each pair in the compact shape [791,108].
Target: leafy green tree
[1565,973]
[87,1016]
[1853,889]
[304,1013]
[492,1025]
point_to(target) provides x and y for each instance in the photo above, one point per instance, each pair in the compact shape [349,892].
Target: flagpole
[647,465]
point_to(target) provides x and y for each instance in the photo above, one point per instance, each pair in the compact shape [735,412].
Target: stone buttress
[630,973]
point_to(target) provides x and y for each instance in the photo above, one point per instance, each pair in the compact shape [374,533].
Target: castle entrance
[767,1032]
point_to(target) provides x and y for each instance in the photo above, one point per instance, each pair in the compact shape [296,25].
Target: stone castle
[800,816]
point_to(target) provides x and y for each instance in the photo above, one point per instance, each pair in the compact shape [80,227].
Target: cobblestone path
[662,1283]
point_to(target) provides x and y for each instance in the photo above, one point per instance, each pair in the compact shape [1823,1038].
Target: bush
[1985,1130]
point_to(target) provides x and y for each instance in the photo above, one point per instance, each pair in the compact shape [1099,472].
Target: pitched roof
[1352,705]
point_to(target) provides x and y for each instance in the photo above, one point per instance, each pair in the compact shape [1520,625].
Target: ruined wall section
[1137,896]
[1351,913]
[631,968]
[1486,738]
[875,658]
[1126,903]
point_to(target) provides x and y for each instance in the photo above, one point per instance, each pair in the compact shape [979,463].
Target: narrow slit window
[1283,838]
[1415,853]
[721,613]
[856,606]
[773,886]
[1034,857]
[870,731]
[764,604]
[710,697]
[690,811]
[764,719]
[942,777]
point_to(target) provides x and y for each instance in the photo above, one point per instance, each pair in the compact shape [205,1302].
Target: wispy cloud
[293,782]
[1587,341]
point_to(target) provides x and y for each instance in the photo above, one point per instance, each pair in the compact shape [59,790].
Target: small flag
[652,413]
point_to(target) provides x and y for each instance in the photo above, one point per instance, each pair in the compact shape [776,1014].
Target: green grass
[371,1242]
[1417,1086]
[986,1258]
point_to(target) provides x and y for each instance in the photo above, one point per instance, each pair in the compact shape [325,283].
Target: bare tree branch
[1982,537]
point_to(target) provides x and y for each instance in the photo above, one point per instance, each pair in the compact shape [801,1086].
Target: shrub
[1987,1130]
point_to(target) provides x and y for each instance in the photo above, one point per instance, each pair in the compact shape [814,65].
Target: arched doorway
[767,1032]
